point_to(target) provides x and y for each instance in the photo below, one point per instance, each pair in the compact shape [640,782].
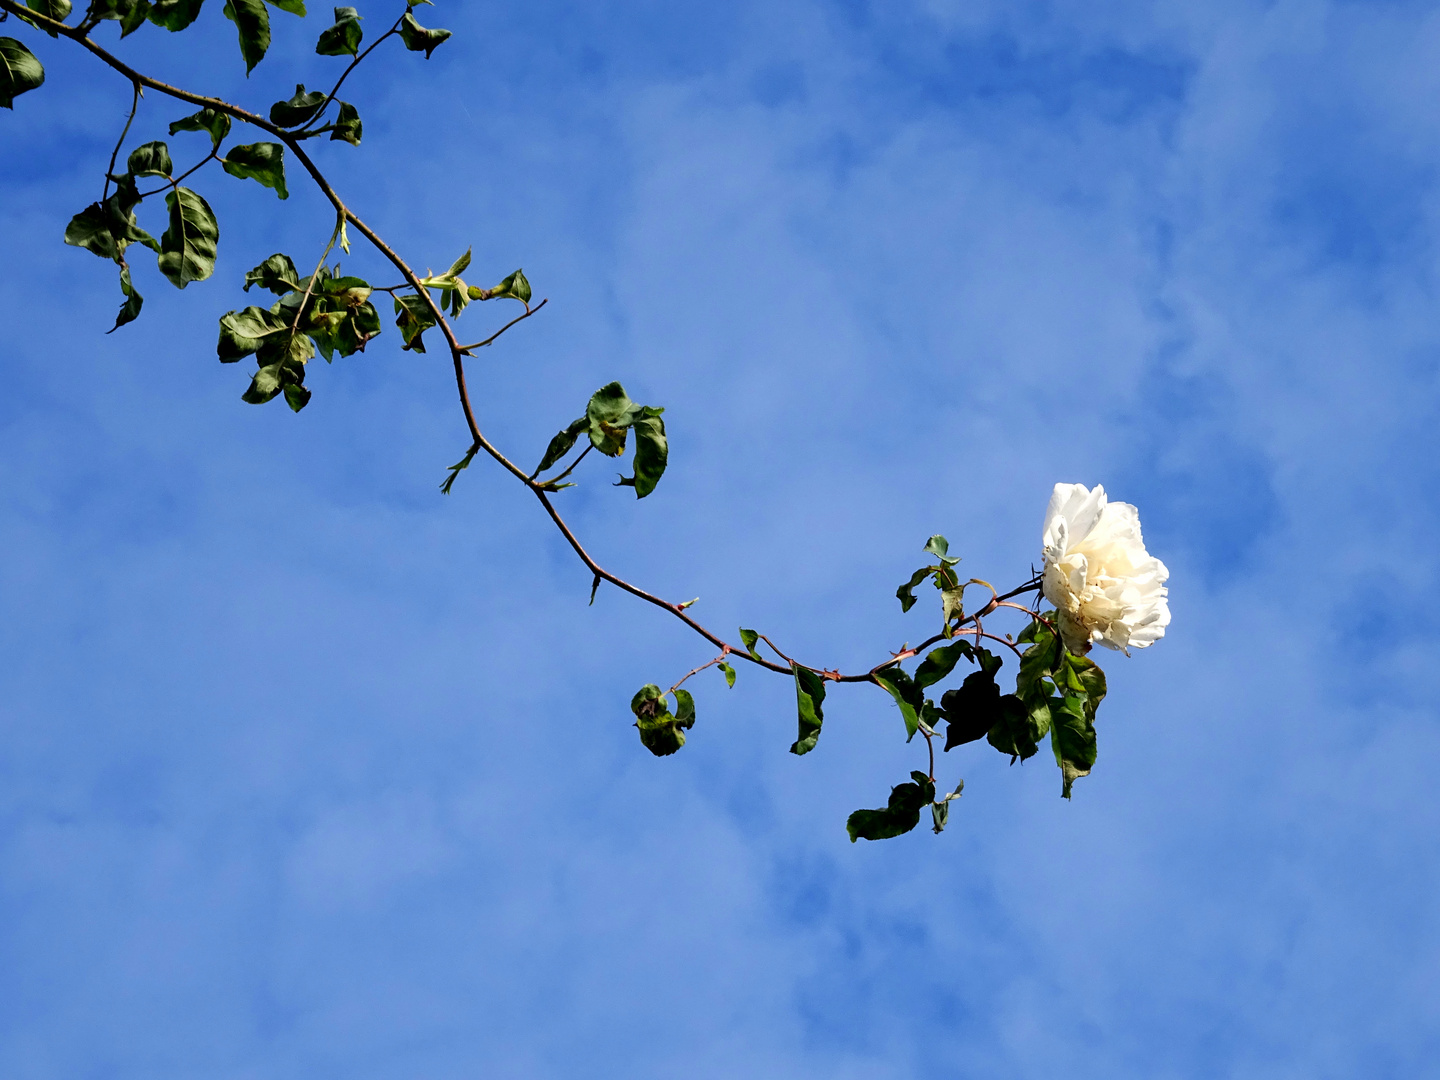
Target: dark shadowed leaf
[130,310]
[413,316]
[252,20]
[152,159]
[174,15]
[561,444]
[348,126]
[907,695]
[277,274]
[128,13]
[342,39]
[264,162]
[809,695]
[901,814]
[940,662]
[419,39]
[298,109]
[217,124]
[20,72]
[59,10]
[244,332]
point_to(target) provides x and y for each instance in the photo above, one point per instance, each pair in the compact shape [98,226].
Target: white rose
[1105,586]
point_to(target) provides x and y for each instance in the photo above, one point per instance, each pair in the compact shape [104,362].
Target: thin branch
[519,318]
[134,107]
[458,352]
[346,74]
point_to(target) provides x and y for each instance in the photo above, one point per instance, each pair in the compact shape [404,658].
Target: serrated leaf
[342,39]
[809,696]
[151,159]
[750,637]
[348,126]
[300,108]
[419,39]
[216,124]
[252,22]
[174,15]
[263,162]
[130,310]
[413,316]
[20,71]
[187,250]
[277,274]
[652,451]
[901,814]
[729,673]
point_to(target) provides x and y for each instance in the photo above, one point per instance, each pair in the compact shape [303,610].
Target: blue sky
[307,771]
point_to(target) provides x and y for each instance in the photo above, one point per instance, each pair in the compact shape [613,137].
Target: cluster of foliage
[330,312]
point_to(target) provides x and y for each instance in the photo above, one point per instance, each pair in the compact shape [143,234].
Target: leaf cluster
[609,417]
[661,731]
[328,311]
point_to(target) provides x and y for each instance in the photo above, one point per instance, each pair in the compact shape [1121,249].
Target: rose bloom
[1105,586]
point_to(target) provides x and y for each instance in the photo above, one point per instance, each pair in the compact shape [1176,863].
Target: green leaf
[59,10]
[174,15]
[729,673]
[906,694]
[294,7]
[90,229]
[298,109]
[906,592]
[419,39]
[243,332]
[684,708]
[413,316]
[264,162]
[459,467]
[1020,727]
[610,412]
[342,39]
[660,732]
[972,709]
[20,72]
[514,287]
[187,250]
[274,379]
[901,814]
[348,126]
[128,13]
[252,20]
[1072,737]
[277,274]
[152,159]
[651,451]
[108,228]
[750,637]
[561,444]
[938,546]
[940,662]
[208,120]
[809,695]
[1039,660]
[130,310]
